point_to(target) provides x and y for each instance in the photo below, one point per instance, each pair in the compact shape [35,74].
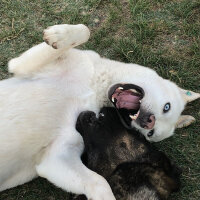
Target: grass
[161,34]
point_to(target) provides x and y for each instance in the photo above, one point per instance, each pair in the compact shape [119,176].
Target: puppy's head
[100,128]
[154,108]
[107,142]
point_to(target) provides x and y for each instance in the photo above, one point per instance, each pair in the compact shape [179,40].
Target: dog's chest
[100,84]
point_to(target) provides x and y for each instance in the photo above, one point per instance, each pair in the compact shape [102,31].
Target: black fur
[132,166]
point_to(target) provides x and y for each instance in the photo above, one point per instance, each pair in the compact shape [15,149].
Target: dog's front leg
[59,39]
[62,166]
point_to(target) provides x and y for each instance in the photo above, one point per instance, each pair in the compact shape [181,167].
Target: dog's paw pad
[51,37]
[54,45]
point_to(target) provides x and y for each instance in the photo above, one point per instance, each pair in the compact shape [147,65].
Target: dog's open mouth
[127,99]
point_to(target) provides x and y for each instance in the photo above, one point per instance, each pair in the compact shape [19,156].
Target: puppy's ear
[189,96]
[184,120]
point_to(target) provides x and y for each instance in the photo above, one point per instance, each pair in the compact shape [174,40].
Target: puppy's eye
[101,114]
[166,107]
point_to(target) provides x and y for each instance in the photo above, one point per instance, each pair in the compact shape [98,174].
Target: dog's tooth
[120,88]
[136,115]
[133,90]
[133,117]
[140,101]
[113,99]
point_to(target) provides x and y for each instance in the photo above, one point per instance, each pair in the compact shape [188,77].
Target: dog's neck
[107,74]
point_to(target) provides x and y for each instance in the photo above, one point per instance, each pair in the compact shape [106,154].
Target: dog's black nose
[150,122]
[146,120]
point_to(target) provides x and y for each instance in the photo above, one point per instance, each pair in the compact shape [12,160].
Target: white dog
[39,107]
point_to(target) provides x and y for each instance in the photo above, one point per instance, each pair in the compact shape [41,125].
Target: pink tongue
[127,100]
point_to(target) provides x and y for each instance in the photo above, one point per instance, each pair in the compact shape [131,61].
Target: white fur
[40,105]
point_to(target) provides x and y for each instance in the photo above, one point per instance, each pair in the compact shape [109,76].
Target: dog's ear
[184,120]
[189,96]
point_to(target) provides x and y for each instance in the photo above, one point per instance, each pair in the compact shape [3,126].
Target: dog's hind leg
[62,166]
[59,39]
[20,177]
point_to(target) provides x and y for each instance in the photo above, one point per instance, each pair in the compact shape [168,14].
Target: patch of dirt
[100,16]
[125,15]
[173,45]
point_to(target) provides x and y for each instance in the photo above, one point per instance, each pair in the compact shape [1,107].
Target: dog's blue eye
[166,107]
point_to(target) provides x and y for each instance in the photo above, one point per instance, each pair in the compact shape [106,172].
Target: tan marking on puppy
[141,148]
[162,183]
[126,140]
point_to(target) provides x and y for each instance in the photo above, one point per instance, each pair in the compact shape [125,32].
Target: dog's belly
[32,115]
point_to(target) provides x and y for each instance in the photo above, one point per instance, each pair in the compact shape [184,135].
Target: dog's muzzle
[127,99]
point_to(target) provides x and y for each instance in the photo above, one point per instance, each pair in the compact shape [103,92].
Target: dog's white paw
[66,36]
[100,190]
[13,65]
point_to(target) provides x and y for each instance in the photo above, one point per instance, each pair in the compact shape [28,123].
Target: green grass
[161,34]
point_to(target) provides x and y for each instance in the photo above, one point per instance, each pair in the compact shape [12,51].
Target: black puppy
[133,168]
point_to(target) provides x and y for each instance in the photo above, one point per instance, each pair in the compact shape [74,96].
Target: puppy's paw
[66,36]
